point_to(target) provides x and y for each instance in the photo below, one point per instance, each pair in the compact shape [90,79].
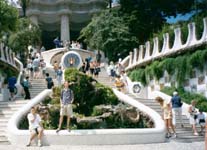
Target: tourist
[83,68]
[49,81]
[66,100]
[167,116]
[176,108]
[42,49]
[119,84]
[119,69]
[92,67]
[193,116]
[201,121]
[35,127]
[11,86]
[98,57]
[27,85]
[55,67]
[59,76]
[111,71]
[124,80]
[30,69]
[97,69]
[87,66]
[36,65]
[43,67]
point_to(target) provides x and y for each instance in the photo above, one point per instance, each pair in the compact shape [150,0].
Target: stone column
[34,19]
[64,28]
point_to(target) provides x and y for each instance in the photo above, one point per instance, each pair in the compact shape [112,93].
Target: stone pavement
[161,146]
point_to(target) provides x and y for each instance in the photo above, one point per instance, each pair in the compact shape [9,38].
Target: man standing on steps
[176,108]
[66,100]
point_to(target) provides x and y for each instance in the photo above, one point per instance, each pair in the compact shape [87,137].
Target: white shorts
[192,120]
[66,110]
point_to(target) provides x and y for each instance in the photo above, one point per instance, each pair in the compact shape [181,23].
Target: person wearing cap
[176,108]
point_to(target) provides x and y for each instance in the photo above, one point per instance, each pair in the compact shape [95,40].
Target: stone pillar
[34,19]
[64,28]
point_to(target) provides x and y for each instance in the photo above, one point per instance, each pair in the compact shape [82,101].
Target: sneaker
[69,130]
[39,143]
[195,133]
[174,135]
[29,144]
[58,129]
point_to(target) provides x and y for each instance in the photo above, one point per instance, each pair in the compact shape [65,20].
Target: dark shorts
[11,89]
[36,69]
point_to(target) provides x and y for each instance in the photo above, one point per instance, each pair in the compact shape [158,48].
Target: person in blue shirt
[66,101]
[176,108]
[11,86]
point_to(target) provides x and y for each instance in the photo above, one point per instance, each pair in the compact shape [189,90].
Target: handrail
[164,51]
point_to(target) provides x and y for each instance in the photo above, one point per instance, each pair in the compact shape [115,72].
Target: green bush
[180,66]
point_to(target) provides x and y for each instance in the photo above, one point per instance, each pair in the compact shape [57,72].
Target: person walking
[35,127]
[27,85]
[193,117]
[49,81]
[11,86]
[59,76]
[176,108]
[66,100]
[167,116]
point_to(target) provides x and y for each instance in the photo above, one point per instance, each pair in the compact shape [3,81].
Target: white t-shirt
[36,123]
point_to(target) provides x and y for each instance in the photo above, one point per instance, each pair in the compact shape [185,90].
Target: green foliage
[187,97]
[9,17]
[88,92]
[179,66]
[109,33]
[27,34]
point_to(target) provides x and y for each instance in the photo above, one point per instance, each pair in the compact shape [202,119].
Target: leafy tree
[8,17]
[109,33]
[28,34]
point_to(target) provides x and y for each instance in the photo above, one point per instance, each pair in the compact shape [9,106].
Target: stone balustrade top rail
[145,54]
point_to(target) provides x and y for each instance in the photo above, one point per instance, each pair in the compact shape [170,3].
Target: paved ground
[162,146]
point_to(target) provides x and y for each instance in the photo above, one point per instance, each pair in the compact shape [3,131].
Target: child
[201,121]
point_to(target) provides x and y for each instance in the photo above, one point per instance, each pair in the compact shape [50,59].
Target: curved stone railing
[142,56]
[90,137]
[48,55]
[7,56]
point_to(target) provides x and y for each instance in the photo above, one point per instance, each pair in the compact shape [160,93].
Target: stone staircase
[8,108]
[183,134]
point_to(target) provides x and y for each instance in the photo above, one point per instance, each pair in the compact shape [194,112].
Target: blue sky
[180,18]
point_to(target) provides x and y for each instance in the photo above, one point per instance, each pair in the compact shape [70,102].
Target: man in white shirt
[35,126]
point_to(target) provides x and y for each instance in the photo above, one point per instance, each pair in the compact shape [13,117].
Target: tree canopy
[27,34]
[109,33]
[121,29]
[8,17]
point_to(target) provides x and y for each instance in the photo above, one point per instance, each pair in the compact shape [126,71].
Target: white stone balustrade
[191,41]
[135,56]
[147,51]
[155,51]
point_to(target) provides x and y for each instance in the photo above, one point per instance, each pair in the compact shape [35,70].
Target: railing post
[165,46]
[155,47]
[130,58]
[177,42]
[141,48]
[135,56]
[2,52]
[147,50]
